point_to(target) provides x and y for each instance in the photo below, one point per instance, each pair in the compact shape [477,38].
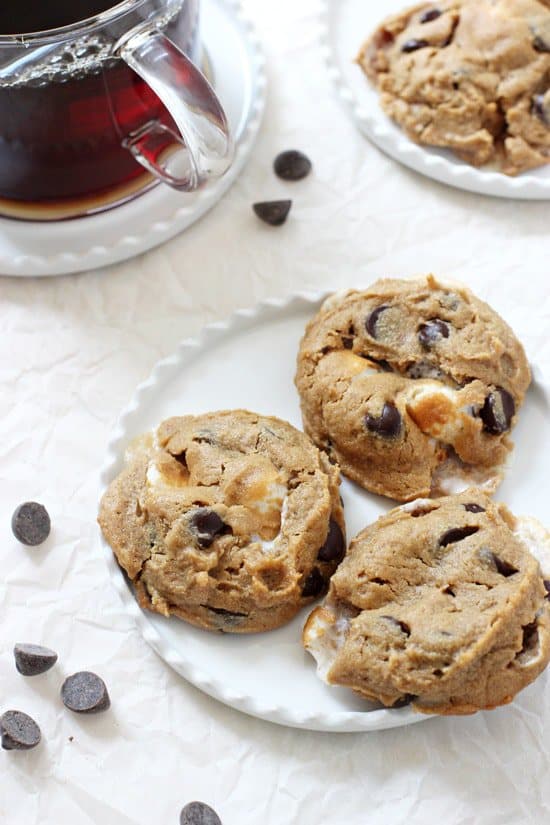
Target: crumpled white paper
[73,350]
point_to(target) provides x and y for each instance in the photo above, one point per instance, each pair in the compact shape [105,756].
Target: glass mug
[96,111]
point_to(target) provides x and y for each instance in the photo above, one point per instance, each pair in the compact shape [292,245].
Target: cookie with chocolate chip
[442,604]
[469,75]
[412,387]
[229,520]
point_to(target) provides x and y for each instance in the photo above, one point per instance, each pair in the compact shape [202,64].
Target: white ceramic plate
[248,361]
[345,24]
[238,69]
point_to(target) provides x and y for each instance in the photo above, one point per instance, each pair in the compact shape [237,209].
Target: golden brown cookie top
[231,520]
[397,379]
[471,75]
[440,602]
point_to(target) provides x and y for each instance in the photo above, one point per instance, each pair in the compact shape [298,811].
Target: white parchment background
[73,350]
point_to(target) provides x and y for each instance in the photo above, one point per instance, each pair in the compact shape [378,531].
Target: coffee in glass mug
[83,125]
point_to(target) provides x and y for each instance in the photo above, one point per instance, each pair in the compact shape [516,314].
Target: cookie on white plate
[441,604]
[411,386]
[469,75]
[229,520]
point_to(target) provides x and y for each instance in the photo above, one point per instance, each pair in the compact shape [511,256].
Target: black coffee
[62,131]
[27,16]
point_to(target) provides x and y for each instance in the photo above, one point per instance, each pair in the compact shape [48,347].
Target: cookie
[412,387]
[440,604]
[229,520]
[472,76]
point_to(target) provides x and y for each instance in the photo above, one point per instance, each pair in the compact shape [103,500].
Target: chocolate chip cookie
[441,604]
[469,75]
[412,387]
[229,520]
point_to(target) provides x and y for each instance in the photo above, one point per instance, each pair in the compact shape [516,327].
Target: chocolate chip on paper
[30,523]
[292,165]
[85,692]
[32,660]
[199,813]
[18,731]
[274,213]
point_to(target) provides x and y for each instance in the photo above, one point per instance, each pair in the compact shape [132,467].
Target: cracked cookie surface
[412,387]
[472,76]
[439,603]
[229,520]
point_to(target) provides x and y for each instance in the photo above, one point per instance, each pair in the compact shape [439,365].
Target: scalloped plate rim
[420,158]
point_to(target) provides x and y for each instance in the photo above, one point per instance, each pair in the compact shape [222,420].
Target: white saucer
[345,24]
[56,248]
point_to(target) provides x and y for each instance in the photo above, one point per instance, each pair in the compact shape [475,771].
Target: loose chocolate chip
[413,45]
[372,320]
[431,14]
[347,343]
[547,588]
[474,508]
[207,524]
[274,213]
[314,583]
[403,626]
[334,547]
[18,731]
[31,660]
[292,165]
[540,45]
[388,424]
[198,813]
[404,701]
[497,411]
[457,534]
[448,591]
[538,108]
[30,523]
[432,331]
[85,692]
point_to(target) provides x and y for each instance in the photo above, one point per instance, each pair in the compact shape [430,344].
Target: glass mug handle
[186,93]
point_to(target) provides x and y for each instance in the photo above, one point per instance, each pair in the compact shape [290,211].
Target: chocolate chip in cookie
[474,508]
[541,108]
[334,547]
[432,331]
[497,411]
[387,424]
[431,14]
[372,320]
[314,583]
[414,44]
[540,44]
[457,534]
[207,525]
